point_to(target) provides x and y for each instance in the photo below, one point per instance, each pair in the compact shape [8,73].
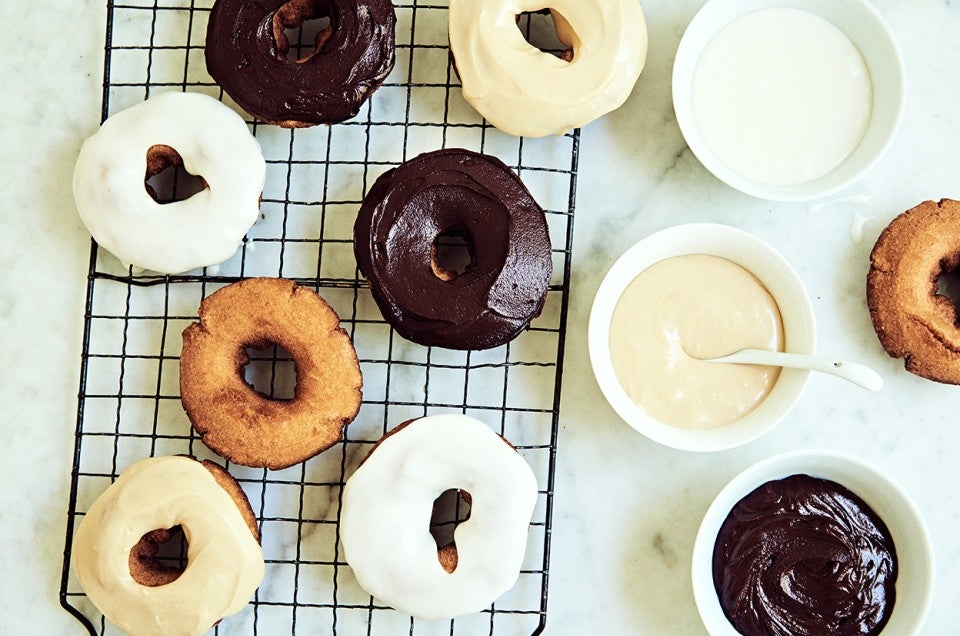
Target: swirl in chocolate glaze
[462,193]
[803,555]
[246,53]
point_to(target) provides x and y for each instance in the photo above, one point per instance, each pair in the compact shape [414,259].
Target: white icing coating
[224,561]
[388,501]
[524,91]
[204,229]
[782,96]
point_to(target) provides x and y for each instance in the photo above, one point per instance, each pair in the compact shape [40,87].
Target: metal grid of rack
[129,406]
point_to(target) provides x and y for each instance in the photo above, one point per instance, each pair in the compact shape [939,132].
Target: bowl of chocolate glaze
[813,543]
[679,297]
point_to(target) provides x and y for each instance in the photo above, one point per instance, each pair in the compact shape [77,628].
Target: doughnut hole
[947,283]
[270,370]
[160,557]
[166,180]
[548,31]
[450,509]
[451,253]
[300,28]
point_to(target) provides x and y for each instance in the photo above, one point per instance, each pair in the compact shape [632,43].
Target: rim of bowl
[865,27]
[754,255]
[884,495]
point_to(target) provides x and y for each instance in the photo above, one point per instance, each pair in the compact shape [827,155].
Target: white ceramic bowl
[864,26]
[755,256]
[914,587]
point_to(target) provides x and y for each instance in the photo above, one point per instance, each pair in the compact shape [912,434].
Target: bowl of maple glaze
[769,268]
[889,502]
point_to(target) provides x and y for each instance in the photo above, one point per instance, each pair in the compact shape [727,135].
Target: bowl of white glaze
[912,543]
[788,100]
[772,270]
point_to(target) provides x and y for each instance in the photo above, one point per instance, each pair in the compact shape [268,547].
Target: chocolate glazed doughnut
[246,53]
[454,192]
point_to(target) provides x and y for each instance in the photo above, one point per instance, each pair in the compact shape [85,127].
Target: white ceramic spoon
[850,371]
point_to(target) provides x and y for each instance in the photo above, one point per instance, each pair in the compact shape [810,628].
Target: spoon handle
[851,371]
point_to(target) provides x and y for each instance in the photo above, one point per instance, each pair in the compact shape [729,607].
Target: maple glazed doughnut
[211,141]
[234,419]
[527,92]
[247,54]
[387,506]
[116,542]
[912,320]
[473,196]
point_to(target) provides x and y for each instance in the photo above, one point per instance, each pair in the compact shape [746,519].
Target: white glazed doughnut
[524,91]
[388,501]
[202,230]
[224,560]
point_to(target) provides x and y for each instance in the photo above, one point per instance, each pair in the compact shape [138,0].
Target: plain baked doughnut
[388,501]
[115,542]
[912,320]
[235,420]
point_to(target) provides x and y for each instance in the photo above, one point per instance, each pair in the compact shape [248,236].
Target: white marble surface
[626,509]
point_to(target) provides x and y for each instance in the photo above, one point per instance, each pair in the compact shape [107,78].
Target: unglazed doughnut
[224,561]
[212,142]
[246,53]
[454,192]
[235,420]
[387,505]
[524,91]
[912,320]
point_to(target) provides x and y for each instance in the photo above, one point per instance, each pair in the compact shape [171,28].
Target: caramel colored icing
[679,311]
[524,91]
[224,560]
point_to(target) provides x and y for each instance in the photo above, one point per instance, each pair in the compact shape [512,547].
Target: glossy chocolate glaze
[462,193]
[246,53]
[804,555]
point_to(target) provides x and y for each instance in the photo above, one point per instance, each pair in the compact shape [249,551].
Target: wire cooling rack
[129,406]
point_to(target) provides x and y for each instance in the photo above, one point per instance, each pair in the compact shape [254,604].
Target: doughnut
[526,92]
[231,417]
[246,53]
[211,141]
[387,505]
[114,546]
[476,197]
[912,320]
